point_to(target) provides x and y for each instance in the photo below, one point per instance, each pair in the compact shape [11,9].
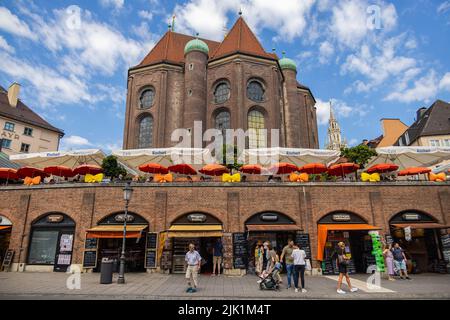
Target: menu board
[151,249]
[152,240]
[90,259]
[91,243]
[7,259]
[240,251]
[150,260]
[445,240]
[302,240]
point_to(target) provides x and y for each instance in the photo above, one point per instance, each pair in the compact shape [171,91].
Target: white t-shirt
[299,257]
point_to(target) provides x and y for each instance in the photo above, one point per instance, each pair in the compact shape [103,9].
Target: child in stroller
[269,280]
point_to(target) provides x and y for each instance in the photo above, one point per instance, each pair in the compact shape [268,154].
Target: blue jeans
[290,273]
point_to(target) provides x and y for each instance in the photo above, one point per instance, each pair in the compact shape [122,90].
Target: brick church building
[233,84]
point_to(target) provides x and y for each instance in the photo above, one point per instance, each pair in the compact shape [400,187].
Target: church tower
[334,138]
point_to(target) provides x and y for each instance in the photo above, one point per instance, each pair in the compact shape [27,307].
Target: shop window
[9,126]
[446,143]
[147,98]
[28,131]
[6,143]
[145,139]
[43,247]
[25,148]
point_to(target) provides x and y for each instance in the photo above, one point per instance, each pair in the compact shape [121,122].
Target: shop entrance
[5,236]
[111,248]
[204,246]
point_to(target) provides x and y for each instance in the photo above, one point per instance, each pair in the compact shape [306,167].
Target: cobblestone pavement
[161,286]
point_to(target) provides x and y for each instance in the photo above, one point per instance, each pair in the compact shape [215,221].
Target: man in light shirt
[299,257]
[193,260]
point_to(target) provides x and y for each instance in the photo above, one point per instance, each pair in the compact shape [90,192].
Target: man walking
[286,255]
[193,260]
[217,256]
[400,261]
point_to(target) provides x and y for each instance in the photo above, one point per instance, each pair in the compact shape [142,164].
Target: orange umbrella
[87,169]
[154,168]
[59,171]
[31,172]
[342,169]
[313,168]
[183,168]
[283,168]
[382,167]
[214,170]
[251,169]
[8,174]
[414,171]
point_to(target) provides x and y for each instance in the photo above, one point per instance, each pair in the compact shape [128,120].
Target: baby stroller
[267,280]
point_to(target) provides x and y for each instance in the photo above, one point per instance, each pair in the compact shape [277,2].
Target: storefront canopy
[195,231]
[297,156]
[406,157]
[324,228]
[5,227]
[431,225]
[272,227]
[70,159]
[116,232]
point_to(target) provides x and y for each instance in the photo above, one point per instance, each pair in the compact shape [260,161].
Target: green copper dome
[196,45]
[286,63]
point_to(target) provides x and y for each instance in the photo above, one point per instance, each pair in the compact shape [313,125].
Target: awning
[430,225]
[272,227]
[195,231]
[115,232]
[5,227]
[324,228]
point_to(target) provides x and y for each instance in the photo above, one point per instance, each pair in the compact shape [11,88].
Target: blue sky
[373,59]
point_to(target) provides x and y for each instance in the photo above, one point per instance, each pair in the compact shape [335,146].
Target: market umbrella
[183,168]
[296,156]
[214,170]
[382,168]
[313,168]
[87,169]
[283,168]
[60,171]
[154,168]
[8,174]
[31,172]
[342,169]
[251,169]
[414,171]
[407,157]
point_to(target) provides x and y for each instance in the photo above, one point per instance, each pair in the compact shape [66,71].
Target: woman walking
[389,262]
[299,267]
[342,263]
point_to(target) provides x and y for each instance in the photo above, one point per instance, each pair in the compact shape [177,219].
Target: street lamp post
[127,192]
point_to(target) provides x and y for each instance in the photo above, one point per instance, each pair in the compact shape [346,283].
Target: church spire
[334,138]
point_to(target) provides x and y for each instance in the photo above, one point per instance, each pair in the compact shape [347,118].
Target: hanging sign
[55,218]
[341,217]
[121,218]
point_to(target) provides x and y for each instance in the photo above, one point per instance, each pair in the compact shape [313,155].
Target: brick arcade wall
[232,204]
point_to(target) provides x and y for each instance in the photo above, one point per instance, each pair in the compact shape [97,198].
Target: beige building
[21,129]
[392,130]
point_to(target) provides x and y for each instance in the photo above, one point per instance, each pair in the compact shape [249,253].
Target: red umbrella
[183,168]
[59,171]
[155,168]
[414,171]
[87,169]
[342,169]
[31,172]
[382,167]
[251,169]
[313,168]
[283,168]
[8,174]
[214,170]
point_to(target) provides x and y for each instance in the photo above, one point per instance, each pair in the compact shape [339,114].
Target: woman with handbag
[342,263]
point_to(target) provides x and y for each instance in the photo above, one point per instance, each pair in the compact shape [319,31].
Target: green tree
[228,150]
[112,168]
[360,154]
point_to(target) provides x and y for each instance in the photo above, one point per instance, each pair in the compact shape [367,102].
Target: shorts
[342,268]
[400,265]
[217,259]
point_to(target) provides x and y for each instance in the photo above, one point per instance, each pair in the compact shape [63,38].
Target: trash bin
[106,271]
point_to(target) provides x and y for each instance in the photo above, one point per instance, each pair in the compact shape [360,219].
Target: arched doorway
[5,236]
[105,241]
[51,241]
[425,241]
[353,230]
[274,227]
[203,230]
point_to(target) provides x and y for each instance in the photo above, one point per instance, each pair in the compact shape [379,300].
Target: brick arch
[197,211]
[104,217]
[343,211]
[50,213]
[7,217]
[389,219]
[286,215]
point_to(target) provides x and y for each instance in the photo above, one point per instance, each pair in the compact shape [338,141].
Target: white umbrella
[296,156]
[166,157]
[407,157]
[69,159]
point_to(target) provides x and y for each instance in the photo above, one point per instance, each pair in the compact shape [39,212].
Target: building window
[434,143]
[9,126]
[191,66]
[446,143]
[256,126]
[147,98]
[6,143]
[43,247]
[223,121]
[255,91]
[28,132]
[222,92]
[407,138]
[25,148]
[145,132]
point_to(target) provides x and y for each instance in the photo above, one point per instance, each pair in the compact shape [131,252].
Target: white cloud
[74,142]
[444,7]
[5,46]
[341,110]
[444,84]
[326,50]
[423,89]
[147,15]
[10,23]
[116,4]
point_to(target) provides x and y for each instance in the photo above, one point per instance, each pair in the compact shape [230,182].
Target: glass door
[64,249]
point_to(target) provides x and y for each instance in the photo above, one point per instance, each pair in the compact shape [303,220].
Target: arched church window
[256,126]
[223,121]
[145,139]
[222,92]
[255,91]
[147,98]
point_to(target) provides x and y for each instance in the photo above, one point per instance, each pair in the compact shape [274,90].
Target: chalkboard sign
[7,259]
[240,251]
[90,259]
[445,240]
[91,244]
[150,259]
[152,240]
[302,239]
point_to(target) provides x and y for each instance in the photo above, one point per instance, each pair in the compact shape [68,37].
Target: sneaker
[408,278]
[353,289]
[189,290]
[340,291]
[296,290]
[304,291]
